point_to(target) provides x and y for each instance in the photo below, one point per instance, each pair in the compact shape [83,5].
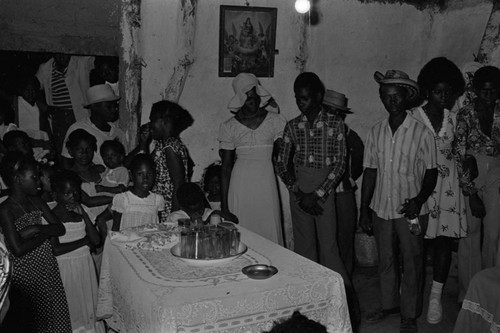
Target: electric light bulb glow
[302,6]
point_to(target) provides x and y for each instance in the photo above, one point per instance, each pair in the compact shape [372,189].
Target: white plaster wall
[351,41]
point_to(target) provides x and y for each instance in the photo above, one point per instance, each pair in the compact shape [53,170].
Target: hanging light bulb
[302,6]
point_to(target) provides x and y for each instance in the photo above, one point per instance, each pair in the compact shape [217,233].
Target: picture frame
[247,40]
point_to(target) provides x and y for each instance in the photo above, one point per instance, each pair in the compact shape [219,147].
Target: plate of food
[176,252]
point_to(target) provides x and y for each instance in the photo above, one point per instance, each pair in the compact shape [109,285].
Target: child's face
[45,180]
[83,153]
[30,92]
[22,144]
[29,180]
[68,193]
[213,185]
[112,159]
[144,177]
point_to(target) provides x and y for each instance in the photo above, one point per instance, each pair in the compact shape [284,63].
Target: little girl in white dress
[138,206]
[72,250]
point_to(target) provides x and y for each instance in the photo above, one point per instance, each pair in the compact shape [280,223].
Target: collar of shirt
[27,105]
[321,116]
[111,130]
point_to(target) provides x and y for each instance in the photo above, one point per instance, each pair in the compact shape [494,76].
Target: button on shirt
[401,161]
[318,145]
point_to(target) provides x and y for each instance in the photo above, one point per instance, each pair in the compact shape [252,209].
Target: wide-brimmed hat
[398,78]
[243,83]
[100,93]
[336,100]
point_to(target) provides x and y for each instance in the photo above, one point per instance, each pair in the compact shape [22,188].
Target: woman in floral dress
[167,121]
[441,82]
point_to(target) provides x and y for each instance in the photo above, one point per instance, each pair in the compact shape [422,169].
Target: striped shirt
[401,161]
[318,145]
[60,92]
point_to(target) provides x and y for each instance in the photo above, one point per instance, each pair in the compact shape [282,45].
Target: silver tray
[259,271]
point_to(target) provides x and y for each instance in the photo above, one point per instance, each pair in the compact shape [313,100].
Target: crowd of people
[431,170]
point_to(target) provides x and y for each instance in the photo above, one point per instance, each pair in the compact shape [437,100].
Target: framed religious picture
[247,40]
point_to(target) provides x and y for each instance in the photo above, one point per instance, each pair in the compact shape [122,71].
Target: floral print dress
[163,183]
[446,204]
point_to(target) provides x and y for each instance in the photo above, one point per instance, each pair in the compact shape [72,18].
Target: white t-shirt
[87,125]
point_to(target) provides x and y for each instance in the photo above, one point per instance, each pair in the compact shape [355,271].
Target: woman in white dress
[249,191]
[441,82]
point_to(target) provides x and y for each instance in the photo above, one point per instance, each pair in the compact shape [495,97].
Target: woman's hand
[477,206]
[227,215]
[30,231]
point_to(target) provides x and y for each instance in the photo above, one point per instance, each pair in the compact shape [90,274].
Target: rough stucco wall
[363,38]
[71,26]
[351,41]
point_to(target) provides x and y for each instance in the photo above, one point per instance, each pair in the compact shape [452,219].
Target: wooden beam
[130,70]
[185,39]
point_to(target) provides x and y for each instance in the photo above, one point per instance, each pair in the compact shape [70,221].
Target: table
[481,306]
[153,291]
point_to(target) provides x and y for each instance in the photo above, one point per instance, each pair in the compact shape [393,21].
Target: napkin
[126,239]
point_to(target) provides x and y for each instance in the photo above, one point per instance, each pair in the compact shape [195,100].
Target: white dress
[253,190]
[78,274]
[138,211]
[446,204]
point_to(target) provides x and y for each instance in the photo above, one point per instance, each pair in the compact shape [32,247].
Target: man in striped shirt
[65,79]
[400,174]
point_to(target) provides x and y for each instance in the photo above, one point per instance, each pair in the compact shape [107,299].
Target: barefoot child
[73,254]
[38,300]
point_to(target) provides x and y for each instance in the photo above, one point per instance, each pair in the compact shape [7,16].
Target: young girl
[167,121]
[73,255]
[138,206]
[115,178]
[46,172]
[211,184]
[38,301]
[82,146]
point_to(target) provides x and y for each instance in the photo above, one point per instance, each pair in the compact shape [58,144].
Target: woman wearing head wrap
[249,187]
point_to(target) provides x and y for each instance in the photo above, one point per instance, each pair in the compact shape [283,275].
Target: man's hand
[365,221]
[477,206]
[308,202]
[411,208]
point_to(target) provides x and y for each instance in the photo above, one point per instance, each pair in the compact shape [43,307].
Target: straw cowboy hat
[100,93]
[336,100]
[398,78]
[243,83]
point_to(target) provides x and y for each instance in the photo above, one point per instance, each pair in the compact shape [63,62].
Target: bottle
[413,223]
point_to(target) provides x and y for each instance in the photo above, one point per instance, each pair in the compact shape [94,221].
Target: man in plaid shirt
[311,162]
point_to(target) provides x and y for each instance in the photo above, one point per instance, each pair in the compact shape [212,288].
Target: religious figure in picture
[245,49]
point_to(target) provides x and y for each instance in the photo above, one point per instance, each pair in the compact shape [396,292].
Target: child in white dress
[138,206]
[78,272]
[115,178]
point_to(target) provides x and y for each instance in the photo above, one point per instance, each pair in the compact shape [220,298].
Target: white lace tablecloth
[153,291]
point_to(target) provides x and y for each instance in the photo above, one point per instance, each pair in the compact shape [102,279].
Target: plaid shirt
[320,145]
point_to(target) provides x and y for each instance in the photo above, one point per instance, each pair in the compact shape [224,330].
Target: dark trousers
[345,203]
[392,235]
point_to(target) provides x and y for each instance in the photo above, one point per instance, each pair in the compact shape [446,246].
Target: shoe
[435,311]
[408,325]
[381,314]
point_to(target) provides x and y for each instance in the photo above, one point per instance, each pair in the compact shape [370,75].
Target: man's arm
[284,154]
[339,163]
[414,205]
[367,189]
